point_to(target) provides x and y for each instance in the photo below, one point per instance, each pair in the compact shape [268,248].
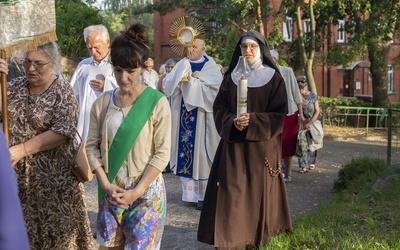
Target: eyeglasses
[302,81]
[38,65]
[245,46]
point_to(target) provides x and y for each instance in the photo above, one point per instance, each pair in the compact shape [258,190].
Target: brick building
[352,81]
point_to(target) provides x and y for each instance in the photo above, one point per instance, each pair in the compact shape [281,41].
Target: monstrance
[183,32]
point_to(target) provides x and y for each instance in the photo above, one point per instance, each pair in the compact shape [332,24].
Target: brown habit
[244,204]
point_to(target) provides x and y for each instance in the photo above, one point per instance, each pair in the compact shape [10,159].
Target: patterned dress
[51,197]
[308,111]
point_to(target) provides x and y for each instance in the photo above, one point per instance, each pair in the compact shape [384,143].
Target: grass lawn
[364,213]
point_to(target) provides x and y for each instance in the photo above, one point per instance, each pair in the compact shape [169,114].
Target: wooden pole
[4,104]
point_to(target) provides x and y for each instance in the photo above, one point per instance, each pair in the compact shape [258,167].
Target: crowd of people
[139,123]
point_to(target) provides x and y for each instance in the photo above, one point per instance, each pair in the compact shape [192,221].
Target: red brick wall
[162,50]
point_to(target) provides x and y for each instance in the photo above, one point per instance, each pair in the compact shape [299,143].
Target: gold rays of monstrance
[183,32]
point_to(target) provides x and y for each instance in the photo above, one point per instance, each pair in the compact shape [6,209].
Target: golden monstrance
[183,32]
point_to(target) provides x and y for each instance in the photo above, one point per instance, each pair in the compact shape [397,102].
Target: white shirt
[87,70]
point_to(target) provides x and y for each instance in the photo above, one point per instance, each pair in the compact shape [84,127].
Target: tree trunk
[307,54]
[259,17]
[310,76]
[378,54]
[311,54]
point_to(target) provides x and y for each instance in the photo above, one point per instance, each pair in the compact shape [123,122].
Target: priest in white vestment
[192,86]
[94,75]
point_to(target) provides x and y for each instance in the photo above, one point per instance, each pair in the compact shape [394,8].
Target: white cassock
[199,92]
[86,71]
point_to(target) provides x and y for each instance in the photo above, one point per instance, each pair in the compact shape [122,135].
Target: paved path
[306,191]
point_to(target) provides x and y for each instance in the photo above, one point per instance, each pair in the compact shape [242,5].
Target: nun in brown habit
[246,201]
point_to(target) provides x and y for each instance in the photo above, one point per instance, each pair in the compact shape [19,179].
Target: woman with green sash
[128,147]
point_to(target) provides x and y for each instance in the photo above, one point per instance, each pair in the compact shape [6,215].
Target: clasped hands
[242,122]
[120,197]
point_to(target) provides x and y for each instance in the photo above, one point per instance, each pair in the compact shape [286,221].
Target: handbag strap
[79,135]
[106,103]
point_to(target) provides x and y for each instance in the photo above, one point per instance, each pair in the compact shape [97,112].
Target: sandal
[303,171]
[311,167]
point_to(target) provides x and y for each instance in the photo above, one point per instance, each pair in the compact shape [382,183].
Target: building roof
[361,64]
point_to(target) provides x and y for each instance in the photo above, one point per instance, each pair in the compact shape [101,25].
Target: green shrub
[359,172]
[328,102]
[395,105]
[231,39]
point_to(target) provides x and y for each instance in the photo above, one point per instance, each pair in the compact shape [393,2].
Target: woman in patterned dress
[42,114]
[311,112]
[128,158]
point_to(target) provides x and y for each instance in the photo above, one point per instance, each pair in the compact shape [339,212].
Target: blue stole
[187,133]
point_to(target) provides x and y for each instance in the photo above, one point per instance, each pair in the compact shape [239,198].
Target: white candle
[241,72]
[241,96]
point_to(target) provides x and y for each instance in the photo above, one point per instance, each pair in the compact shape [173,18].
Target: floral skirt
[141,225]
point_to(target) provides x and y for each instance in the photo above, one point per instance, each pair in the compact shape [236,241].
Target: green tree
[371,25]
[305,43]
[117,5]
[231,40]
[217,16]
[120,13]
[72,17]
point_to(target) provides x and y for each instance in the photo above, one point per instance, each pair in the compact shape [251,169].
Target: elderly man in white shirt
[94,75]
[293,117]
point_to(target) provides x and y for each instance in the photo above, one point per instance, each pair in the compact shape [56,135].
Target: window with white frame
[288,29]
[307,26]
[390,79]
[341,32]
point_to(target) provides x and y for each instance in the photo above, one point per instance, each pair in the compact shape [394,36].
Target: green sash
[128,132]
